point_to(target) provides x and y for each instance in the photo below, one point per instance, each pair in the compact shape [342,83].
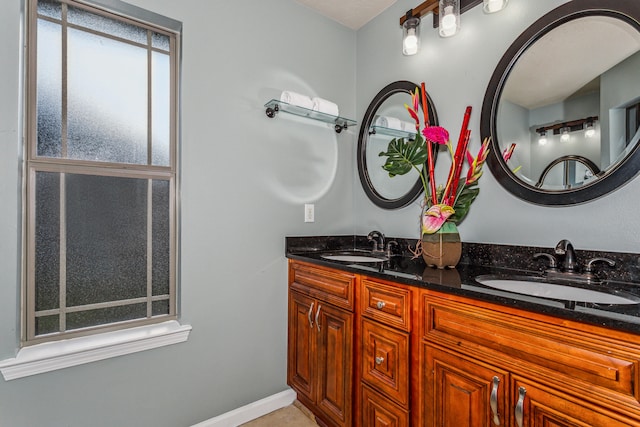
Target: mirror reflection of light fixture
[589,130]
[543,138]
[449,17]
[411,35]
[491,6]
[564,128]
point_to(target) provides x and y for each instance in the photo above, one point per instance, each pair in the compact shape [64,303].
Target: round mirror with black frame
[564,98]
[386,118]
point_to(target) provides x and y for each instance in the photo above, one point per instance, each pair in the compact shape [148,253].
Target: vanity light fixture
[448,21]
[589,130]
[564,128]
[411,35]
[543,138]
[449,17]
[491,6]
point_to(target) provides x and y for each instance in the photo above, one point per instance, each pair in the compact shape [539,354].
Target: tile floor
[294,415]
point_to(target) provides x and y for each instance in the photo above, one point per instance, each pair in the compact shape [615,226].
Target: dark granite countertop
[501,261]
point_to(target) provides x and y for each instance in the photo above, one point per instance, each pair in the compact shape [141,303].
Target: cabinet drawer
[387,304]
[331,286]
[377,411]
[568,355]
[385,360]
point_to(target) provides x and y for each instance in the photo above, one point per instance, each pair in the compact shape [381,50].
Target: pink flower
[475,165]
[434,217]
[413,110]
[506,154]
[436,134]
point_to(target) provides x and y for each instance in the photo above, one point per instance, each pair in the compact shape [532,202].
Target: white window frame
[38,356]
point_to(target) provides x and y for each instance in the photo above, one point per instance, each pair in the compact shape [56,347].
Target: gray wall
[456,71]
[245,180]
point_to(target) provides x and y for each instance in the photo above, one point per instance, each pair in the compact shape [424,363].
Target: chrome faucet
[564,248]
[378,241]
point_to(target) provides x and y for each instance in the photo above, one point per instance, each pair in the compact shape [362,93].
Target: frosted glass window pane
[160,307]
[47,324]
[161,237]
[161,116]
[160,41]
[107,99]
[47,236]
[107,25]
[84,319]
[106,238]
[50,8]
[49,89]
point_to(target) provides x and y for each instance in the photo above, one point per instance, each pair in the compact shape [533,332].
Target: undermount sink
[354,256]
[542,289]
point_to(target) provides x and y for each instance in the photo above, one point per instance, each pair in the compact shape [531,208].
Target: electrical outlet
[309,214]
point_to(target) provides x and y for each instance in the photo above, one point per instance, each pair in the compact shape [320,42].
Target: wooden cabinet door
[535,406]
[460,392]
[378,411]
[301,364]
[334,328]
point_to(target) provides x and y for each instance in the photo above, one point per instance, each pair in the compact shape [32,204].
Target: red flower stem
[461,148]
[454,187]
[430,165]
[425,106]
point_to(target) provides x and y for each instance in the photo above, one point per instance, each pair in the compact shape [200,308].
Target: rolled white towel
[325,106]
[388,122]
[409,126]
[298,99]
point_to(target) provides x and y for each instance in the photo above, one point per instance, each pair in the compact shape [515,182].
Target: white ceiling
[350,13]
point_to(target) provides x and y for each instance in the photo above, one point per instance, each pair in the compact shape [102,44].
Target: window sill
[51,356]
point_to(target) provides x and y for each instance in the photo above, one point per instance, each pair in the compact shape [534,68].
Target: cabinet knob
[379,360]
[380,305]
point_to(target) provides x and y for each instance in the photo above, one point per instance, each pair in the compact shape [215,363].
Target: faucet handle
[378,240]
[588,265]
[389,251]
[553,262]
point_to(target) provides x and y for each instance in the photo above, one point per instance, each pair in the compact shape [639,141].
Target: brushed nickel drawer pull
[379,360]
[309,315]
[317,316]
[380,305]
[520,406]
[494,400]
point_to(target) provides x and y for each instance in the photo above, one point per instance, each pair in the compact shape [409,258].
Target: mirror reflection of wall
[574,72]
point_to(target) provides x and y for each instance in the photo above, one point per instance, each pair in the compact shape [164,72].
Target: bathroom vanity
[396,344]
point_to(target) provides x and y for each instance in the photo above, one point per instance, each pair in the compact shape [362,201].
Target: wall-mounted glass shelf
[275,106]
[396,133]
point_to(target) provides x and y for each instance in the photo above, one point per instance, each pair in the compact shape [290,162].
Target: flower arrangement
[442,204]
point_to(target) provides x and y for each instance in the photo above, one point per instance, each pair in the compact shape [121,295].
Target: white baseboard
[251,411]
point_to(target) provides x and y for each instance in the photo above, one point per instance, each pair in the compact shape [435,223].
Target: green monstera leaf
[405,154]
[463,202]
